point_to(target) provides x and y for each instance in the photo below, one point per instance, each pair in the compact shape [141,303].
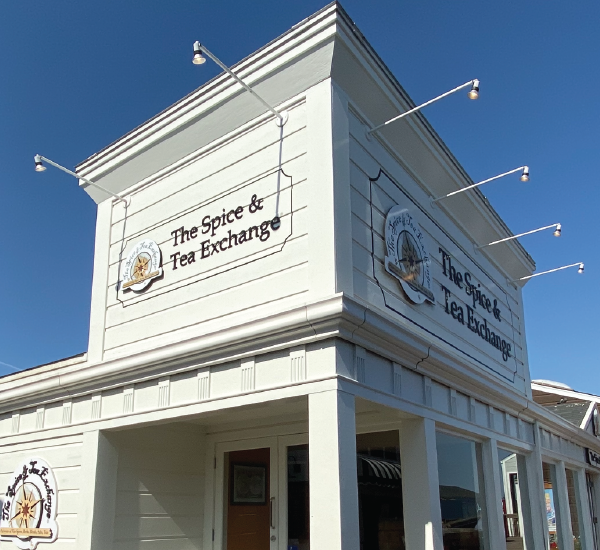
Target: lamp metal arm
[89,182]
[517,236]
[240,81]
[470,83]
[478,184]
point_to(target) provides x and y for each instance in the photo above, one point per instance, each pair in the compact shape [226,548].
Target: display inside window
[462,502]
[511,500]
[549,496]
[381,517]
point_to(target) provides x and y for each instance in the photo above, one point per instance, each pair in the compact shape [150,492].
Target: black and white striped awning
[382,469]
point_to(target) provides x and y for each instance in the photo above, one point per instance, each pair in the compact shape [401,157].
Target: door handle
[271,517]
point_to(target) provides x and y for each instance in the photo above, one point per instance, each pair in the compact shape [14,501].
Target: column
[493,494]
[332,471]
[534,518]
[583,507]
[561,504]
[97,492]
[420,485]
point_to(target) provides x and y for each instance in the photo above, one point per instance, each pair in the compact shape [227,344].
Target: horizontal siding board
[270,288]
[217,159]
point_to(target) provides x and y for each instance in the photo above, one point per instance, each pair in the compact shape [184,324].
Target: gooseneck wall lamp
[473,94]
[557,233]
[524,177]
[39,167]
[578,264]
[199,59]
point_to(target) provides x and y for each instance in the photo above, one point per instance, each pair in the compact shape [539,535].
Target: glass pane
[511,500]
[549,495]
[298,503]
[575,517]
[381,518]
[462,500]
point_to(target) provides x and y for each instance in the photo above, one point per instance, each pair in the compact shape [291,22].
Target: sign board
[29,506]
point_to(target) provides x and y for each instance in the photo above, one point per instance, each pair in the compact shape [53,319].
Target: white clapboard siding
[370,203]
[244,282]
[270,288]
[217,159]
[203,188]
[160,487]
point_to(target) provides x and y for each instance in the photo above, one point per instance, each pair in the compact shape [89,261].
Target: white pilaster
[583,505]
[420,485]
[493,490]
[531,487]
[98,490]
[561,505]
[332,471]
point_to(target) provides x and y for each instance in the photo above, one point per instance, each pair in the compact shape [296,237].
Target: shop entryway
[261,494]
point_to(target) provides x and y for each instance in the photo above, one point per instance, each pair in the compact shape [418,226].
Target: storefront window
[380,491]
[462,501]
[572,491]
[550,497]
[511,500]
[298,502]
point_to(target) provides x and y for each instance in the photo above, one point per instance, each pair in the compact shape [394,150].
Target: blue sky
[76,76]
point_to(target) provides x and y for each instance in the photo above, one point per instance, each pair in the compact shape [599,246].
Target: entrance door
[246,503]
[261,494]
[249,501]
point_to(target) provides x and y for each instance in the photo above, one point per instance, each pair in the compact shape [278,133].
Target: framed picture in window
[248,484]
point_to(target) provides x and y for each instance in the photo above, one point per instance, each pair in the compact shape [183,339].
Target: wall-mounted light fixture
[578,264]
[198,59]
[557,232]
[39,167]
[524,177]
[473,94]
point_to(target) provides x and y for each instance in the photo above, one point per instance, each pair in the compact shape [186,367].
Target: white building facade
[291,347]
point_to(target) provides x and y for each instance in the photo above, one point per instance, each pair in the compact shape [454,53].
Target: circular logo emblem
[407,258]
[29,507]
[141,266]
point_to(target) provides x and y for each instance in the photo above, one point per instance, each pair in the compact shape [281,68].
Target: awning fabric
[382,469]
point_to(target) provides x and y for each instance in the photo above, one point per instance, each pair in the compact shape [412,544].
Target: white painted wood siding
[370,202]
[218,291]
[160,488]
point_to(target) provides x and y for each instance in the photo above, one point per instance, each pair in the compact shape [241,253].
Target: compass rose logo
[407,258]
[28,513]
[141,266]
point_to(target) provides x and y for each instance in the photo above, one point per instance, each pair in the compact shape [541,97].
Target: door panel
[248,502]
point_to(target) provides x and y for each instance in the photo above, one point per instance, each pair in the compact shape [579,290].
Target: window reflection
[511,500]
[575,517]
[298,498]
[380,508]
[549,495]
[464,522]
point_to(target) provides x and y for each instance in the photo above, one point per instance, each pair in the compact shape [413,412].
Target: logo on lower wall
[29,506]
[407,258]
[141,266]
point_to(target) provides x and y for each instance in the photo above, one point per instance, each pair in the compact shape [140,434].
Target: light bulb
[525,174]
[580,270]
[558,230]
[198,58]
[474,91]
[39,167]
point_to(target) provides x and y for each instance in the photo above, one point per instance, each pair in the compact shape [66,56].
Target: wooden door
[249,514]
